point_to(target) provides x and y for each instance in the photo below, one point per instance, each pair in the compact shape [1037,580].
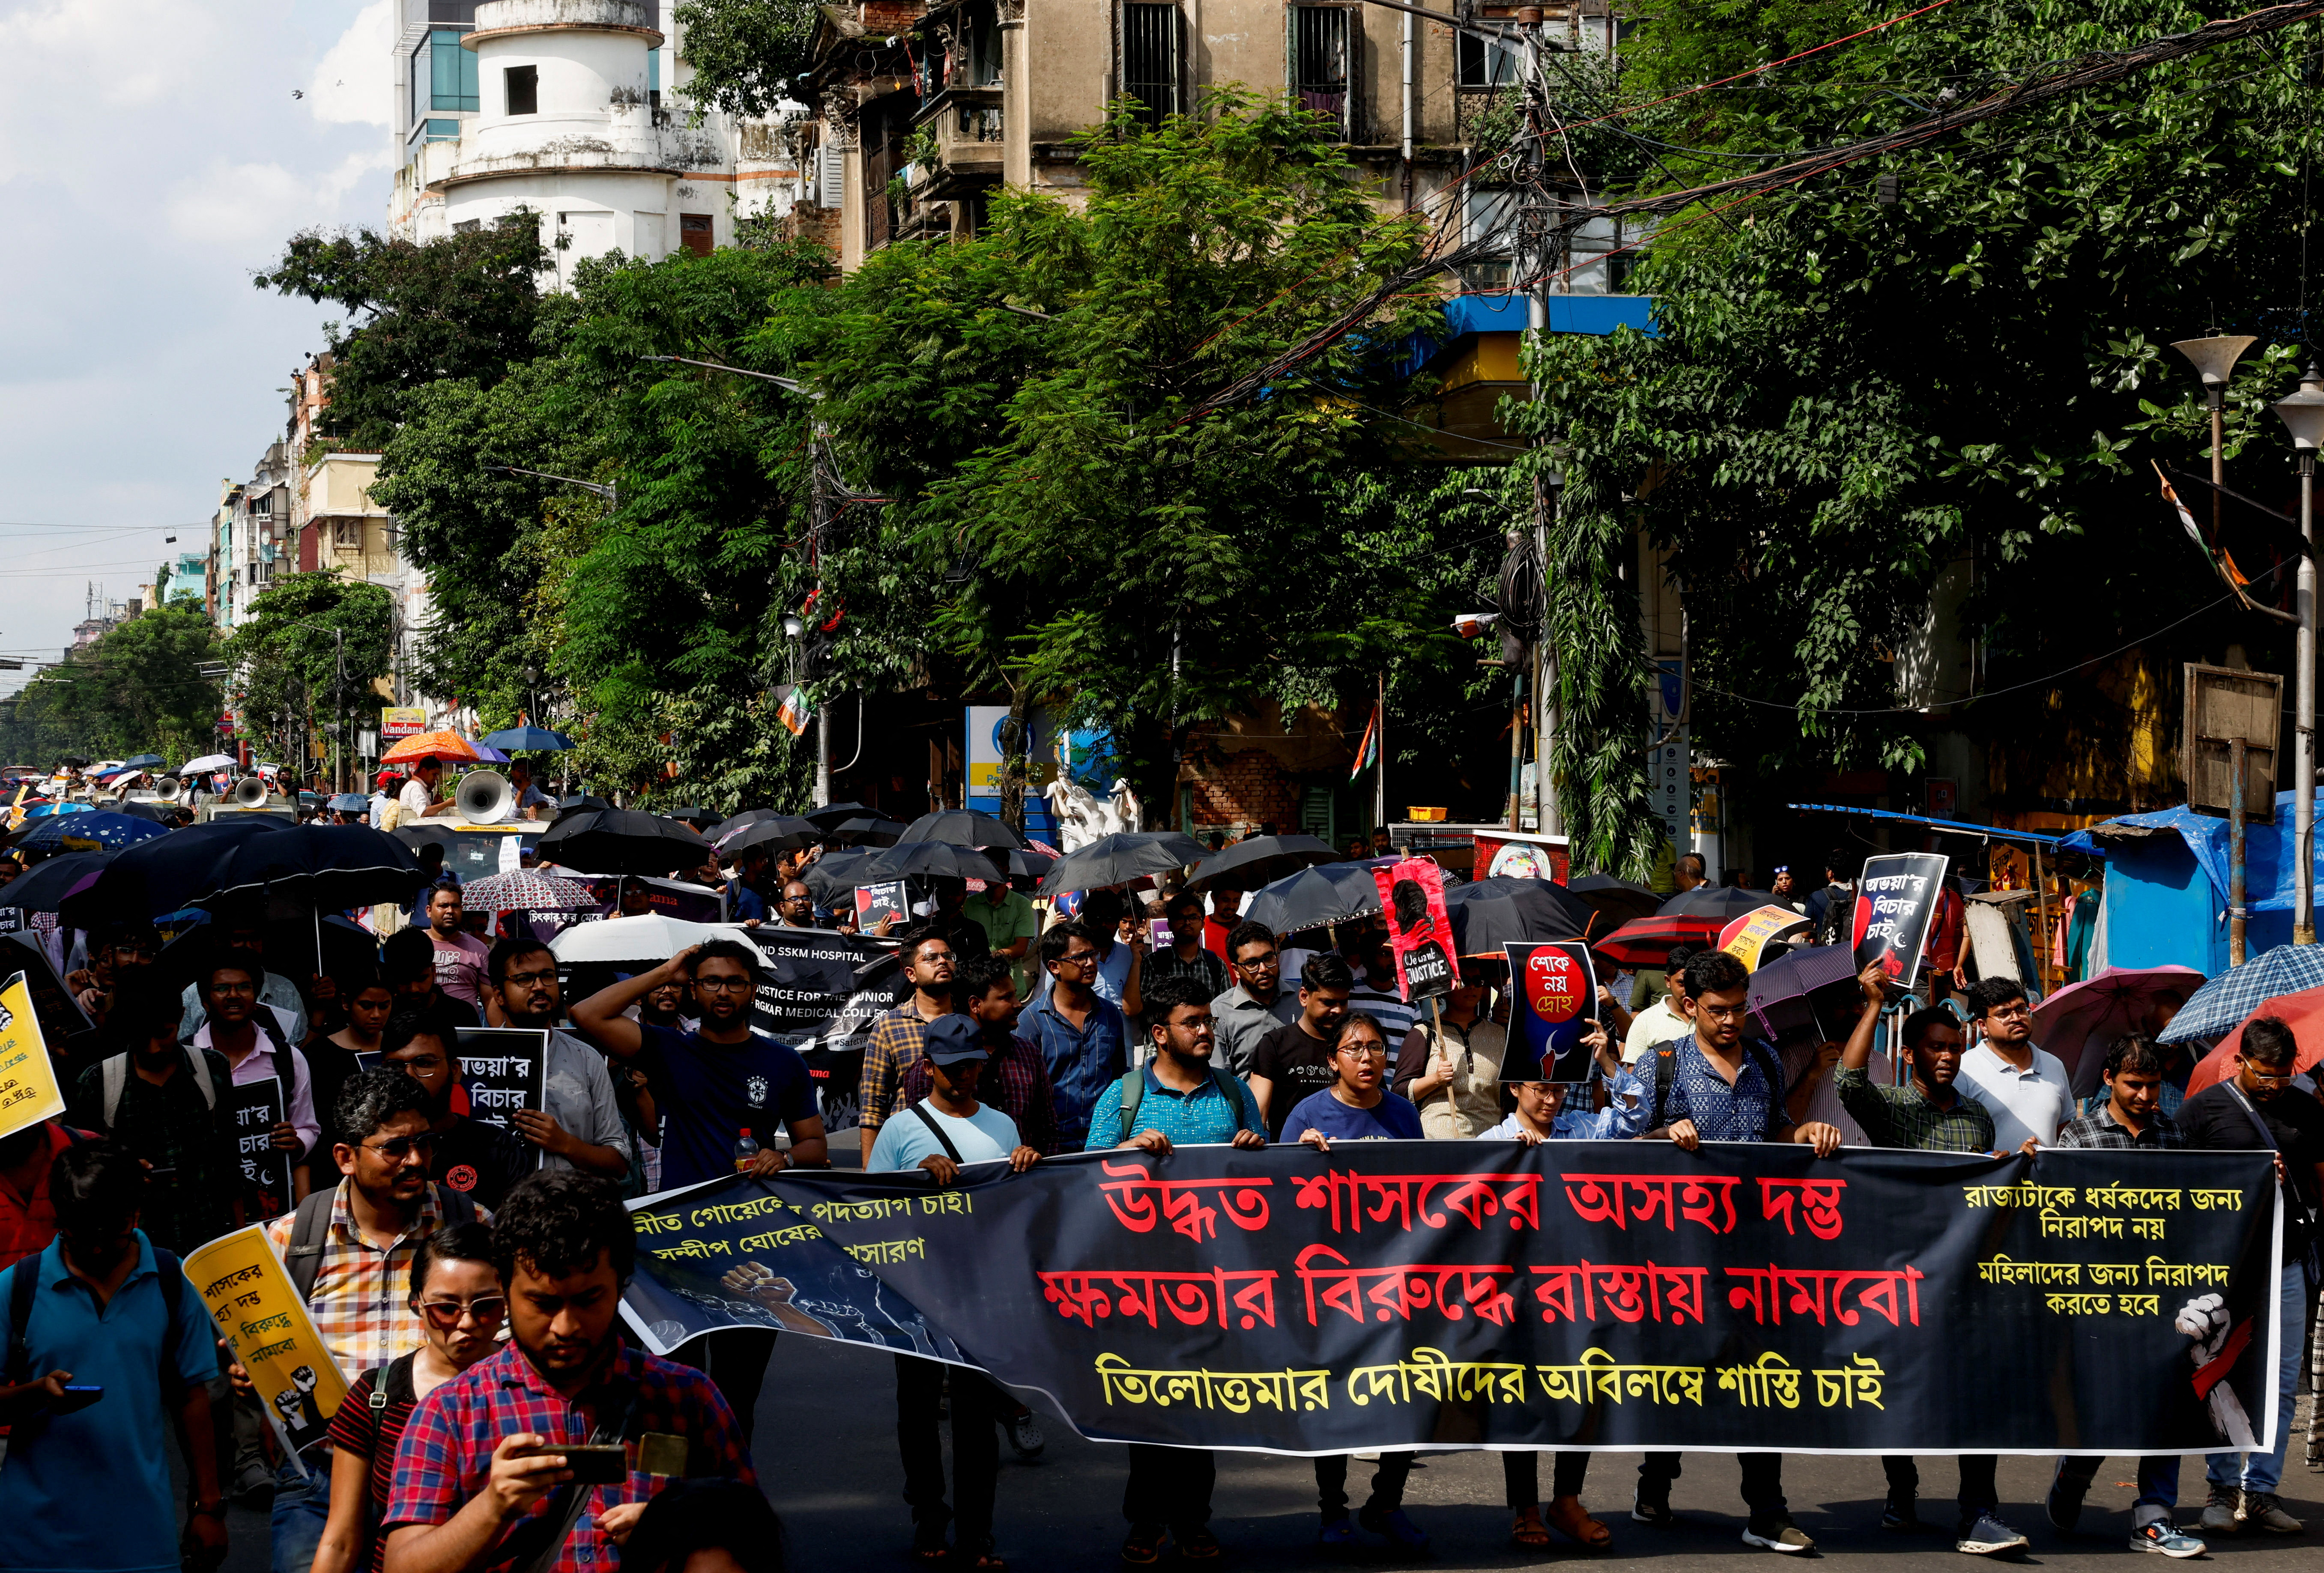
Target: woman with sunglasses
[457,1296]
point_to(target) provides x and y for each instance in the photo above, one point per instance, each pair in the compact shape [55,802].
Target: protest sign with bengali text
[1897,898]
[254,1109]
[29,1093]
[1554,989]
[257,1308]
[502,1069]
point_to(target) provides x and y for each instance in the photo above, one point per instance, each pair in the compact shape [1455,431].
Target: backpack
[114,1074]
[310,1230]
[24,1283]
[1231,1087]
[1756,1050]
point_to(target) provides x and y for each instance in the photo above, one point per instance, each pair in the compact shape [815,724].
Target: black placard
[502,1069]
[256,1110]
[1897,898]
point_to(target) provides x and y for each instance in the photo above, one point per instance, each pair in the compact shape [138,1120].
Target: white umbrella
[651,938]
[208,762]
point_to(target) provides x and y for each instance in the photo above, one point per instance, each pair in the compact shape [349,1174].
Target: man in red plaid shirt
[479,1483]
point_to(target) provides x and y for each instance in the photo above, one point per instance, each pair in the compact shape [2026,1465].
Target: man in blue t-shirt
[713,1085]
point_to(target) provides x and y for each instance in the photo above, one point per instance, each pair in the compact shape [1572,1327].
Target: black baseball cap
[951,1040]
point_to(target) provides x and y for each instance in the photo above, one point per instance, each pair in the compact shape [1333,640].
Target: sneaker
[1776,1532]
[2165,1536]
[1901,1517]
[2065,1503]
[1652,1510]
[1987,1536]
[1397,1530]
[1025,1436]
[2265,1510]
[2221,1514]
[1338,1534]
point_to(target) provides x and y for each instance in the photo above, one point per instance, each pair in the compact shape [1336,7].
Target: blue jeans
[2158,1480]
[2263,1472]
[301,1509]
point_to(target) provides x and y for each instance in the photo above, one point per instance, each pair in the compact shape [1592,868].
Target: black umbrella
[1120,857]
[869,830]
[835,873]
[734,822]
[158,812]
[326,867]
[165,874]
[1619,900]
[49,880]
[1719,901]
[621,841]
[584,803]
[1489,914]
[1325,893]
[831,814]
[939,859]
[1030,862]
[700,818]
[1257,861]
[964,828]
[73,759]
[779,833]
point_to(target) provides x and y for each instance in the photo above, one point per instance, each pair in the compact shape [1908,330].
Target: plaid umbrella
[2302,1012]
[2223,1004]
[1647,942]
[528,890]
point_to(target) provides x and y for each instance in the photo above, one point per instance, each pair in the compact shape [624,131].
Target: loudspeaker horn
[250,792]
[168,789]
[485,797]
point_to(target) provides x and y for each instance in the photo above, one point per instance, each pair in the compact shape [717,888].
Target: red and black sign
[1897,898]
[1412,894]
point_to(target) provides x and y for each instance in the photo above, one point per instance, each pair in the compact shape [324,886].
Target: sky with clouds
[152,155]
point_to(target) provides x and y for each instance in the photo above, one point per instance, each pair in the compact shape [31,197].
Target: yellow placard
[29,1093]
[1749,943]
[257,1307]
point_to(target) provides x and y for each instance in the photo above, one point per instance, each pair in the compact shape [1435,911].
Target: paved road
[827,1455]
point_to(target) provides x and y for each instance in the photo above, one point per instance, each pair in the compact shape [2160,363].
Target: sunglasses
[444,1315]
[397,1148]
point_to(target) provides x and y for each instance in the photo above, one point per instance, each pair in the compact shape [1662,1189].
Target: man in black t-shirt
[2258,1106]
[1294,1060]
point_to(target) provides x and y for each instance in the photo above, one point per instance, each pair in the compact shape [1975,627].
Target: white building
[562,107]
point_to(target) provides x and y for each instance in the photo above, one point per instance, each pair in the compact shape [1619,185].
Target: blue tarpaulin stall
[2166,886]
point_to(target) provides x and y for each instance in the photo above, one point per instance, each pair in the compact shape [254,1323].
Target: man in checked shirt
[350,1249]
[1929,1114]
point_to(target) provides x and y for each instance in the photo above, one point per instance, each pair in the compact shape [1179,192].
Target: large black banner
[819,993]
[1591,1294]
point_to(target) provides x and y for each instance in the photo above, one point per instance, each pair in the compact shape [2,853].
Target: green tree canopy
[743,52]
[308,654]
[137,689]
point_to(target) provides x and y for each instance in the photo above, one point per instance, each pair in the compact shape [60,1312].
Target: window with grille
[346,534]
[1486,64]
[1149,60]
[1321,56]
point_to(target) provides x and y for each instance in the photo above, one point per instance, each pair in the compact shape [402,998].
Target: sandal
[984,1559]
[928,1547]
[1569,1518]
[1143,1549]
[1197,1544]
[1529,1533]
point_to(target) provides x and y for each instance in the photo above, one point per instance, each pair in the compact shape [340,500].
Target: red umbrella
[2080,1021]
[1647,942]
[2302,1012]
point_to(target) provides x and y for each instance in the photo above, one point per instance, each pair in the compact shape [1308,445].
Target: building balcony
[501,17]
[968,131]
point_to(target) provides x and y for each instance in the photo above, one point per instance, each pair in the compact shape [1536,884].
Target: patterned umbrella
[2223,1004]
[528,890]
[98,830]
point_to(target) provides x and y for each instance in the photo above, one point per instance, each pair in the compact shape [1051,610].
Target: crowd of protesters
[466,1276]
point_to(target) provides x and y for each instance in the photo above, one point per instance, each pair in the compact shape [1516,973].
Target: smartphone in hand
[78,1396]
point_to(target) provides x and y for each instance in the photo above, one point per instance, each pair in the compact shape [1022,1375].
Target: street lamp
[2215,359]
[2304,414]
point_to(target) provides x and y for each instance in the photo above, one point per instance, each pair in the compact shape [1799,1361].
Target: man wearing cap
[382,793]
[942,1132]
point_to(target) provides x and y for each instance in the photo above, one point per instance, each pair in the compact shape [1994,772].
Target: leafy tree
[308,655]
[139,687]
[744,52]
[460,308]
[1849,395]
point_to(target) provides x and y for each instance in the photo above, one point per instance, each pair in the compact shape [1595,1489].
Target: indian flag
[795,710]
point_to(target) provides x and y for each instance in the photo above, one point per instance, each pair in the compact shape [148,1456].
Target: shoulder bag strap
[565,1508]
[114,1074]
[200,1066]
[936,1130]
[1231,1087]
[1133,1093]
[311,1229]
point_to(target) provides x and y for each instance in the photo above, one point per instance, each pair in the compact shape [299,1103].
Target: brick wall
[886,16]
[806,221]
[1246,789]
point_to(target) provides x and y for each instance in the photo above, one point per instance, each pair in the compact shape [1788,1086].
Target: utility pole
[818,521]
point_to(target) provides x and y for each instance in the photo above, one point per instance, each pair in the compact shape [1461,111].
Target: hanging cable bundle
[1517,595]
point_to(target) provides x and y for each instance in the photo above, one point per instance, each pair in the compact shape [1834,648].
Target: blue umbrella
[142,763]
[538,739]
[2222,1005]
[486,754]
[43,810]
[113,830]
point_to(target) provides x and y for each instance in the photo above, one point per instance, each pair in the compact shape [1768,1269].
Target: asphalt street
[827,1455]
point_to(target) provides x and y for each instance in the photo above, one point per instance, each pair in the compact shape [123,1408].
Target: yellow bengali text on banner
[29,1093]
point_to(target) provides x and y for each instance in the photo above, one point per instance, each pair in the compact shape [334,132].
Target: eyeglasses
[2010,1012]
[2273,1078]
[529,979]
[1723,1012]
[723,985]
[444,1315]
[1364,1050]
[397,1148]
[235,990]
[798,901]
[1078,958]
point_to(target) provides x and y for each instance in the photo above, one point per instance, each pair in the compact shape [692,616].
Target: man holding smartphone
[102,1338]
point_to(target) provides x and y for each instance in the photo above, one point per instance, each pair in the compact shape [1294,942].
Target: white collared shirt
[2023,1103]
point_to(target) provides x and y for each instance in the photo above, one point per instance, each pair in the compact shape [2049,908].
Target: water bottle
[746,1148]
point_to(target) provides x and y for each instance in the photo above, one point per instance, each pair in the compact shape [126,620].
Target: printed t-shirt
[709,1092]
[1299,1063]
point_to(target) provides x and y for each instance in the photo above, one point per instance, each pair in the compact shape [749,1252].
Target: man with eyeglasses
[478,1160]
[579,1123]
[899,1035]
[1257,1003]
[796,906]
[712,1084]
[2260,1106]
[2023,1087]
[349,1251]
[120,962]
[1715,1085]
[1083,1037]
